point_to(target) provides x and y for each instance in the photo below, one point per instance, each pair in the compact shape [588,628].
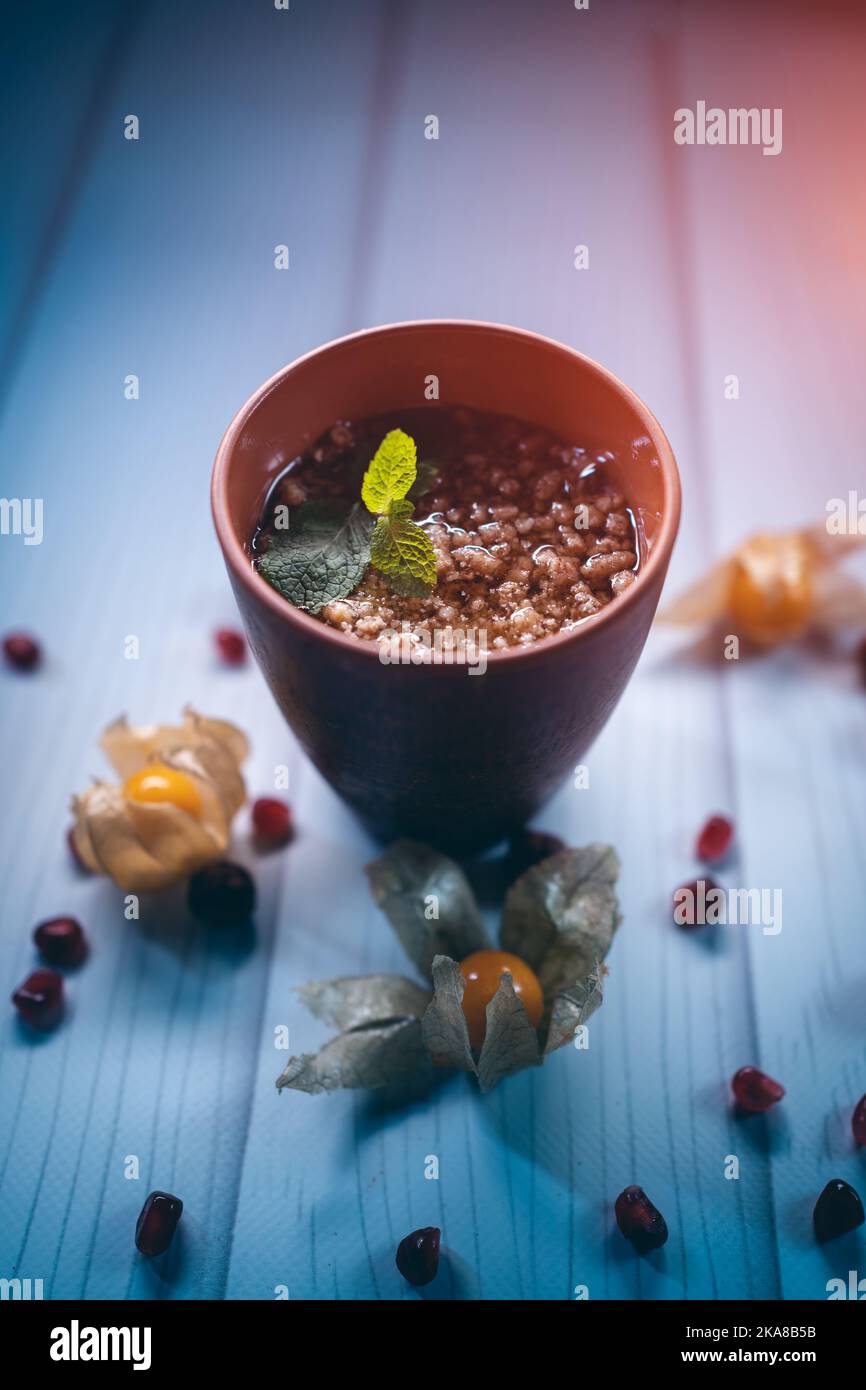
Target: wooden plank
[777,246]
[555,130]
[482,223]
[58,68]
[166,271]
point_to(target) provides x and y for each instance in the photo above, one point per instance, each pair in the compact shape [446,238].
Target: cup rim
[306,624]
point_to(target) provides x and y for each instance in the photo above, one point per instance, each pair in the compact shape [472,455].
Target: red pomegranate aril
[157,1223]
[838,1210]
[639,1221]
[691,909]
[272,820]
[715,840]
[61,941]
[21,651]
[754,1091]
[231,646]
[418,1255]
[858,1122]
[39,999]
[221,894]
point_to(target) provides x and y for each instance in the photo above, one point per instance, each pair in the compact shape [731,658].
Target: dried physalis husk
[145,844]
[778,586]
[429,903]
[380,1042]
[559,917]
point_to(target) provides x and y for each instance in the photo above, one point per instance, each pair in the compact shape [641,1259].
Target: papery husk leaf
[829,547]
[363,1058]
[352,1001]
[81,838]
[572,1007]
[148,845]
[839,601]
[702,602]
[444,1024]
[219,731]
[130,747]
[114,843]
[180,843]
[510,1041]
[403,879]
[217,777]
[560,916]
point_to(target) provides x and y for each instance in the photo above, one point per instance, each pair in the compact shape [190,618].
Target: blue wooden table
[155,258]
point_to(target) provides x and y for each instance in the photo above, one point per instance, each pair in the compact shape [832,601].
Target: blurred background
[154,258]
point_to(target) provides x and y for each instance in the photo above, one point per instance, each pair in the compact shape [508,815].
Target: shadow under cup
[431,751]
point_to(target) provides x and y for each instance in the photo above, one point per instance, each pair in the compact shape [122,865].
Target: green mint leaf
[407,586]
[322,557]
[401,549]
[428,472]
[391,472]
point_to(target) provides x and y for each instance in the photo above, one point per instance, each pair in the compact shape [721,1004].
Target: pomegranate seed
[39,999]
[418,1255]
[837,1210]
[61,941]
[21,651]
[528,848]
[221,894]
[639,1221]
[231,645]
[157,1223]
[272,820]
[691,908]
[714,840]
[858,1122]
[754,1091]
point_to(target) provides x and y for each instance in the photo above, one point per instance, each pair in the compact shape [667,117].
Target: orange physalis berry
[482,972]
[159,783]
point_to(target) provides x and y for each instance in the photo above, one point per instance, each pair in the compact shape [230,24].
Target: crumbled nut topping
[530,538]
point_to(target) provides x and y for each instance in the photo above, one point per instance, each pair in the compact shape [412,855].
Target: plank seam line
[667,63]
[78,164]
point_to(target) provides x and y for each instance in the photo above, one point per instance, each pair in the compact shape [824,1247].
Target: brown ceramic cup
[430,751]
